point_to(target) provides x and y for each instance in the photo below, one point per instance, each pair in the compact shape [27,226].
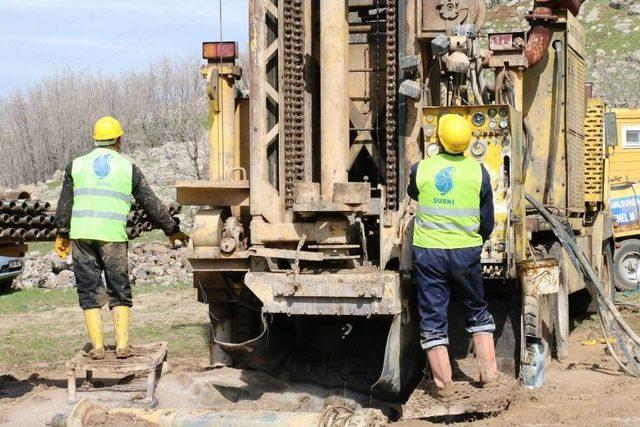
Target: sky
[40,37]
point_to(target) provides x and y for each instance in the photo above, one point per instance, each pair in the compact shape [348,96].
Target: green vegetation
[41,300]
[43,326]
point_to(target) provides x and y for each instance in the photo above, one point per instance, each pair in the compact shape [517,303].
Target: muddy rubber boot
[486,357]
[121,327]
[441,369]
[93,320]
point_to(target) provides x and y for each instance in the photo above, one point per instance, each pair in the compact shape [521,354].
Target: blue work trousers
[438,273]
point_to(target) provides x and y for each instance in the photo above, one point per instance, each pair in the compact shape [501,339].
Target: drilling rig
[302,243]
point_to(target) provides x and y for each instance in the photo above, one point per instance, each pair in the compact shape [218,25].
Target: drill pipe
[21,220]
[5,217]
[7,205]
[132,232]
[147,226]
[32,234]
[7,233]
[47,234]
[39,220]
[32,206]
[20,232]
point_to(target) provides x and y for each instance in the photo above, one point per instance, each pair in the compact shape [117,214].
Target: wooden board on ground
[468,398]
[147,359]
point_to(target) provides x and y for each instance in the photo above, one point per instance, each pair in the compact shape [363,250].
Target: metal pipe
[7,232]
[20,232]
[86,408]
[21,220]
[540,19]
[47,234]
[32,206]
[557,122]
[537,44]
[334,97]
[32,234]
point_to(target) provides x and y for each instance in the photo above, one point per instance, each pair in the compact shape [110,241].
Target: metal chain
[391,107]
[293,88]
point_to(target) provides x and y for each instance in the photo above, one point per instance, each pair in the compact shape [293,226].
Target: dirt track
[587,389]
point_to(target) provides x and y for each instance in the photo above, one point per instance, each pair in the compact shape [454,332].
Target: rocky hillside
[613,43]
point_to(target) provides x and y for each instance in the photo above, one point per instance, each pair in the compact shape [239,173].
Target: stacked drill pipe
[138,221]
[25,220]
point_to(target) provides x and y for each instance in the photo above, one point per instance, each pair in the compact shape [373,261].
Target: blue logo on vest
[102,166]
[444,183]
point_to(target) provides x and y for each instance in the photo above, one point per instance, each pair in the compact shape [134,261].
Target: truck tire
[626,261]
[560,302]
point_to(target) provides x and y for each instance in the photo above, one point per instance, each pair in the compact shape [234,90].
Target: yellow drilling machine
[301,246]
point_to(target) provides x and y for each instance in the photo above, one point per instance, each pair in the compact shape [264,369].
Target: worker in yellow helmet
[453,220]
[91,220]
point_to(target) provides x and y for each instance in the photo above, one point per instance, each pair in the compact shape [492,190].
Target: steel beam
[334,97]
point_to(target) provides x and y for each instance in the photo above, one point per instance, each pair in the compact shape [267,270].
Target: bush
[47,125]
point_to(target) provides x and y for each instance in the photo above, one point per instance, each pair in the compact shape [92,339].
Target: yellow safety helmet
[106,130]
[454,132]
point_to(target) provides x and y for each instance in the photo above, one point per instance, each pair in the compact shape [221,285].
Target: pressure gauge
[429,131]
[493,124]
[492,112]
[478,148]
[504,124]
[478,119]
[503,112]
[430,118]
[433,149]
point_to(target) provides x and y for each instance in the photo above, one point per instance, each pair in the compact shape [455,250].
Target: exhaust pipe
[540,19]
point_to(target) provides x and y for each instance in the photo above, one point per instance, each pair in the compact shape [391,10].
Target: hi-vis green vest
[448,214]
[101,196]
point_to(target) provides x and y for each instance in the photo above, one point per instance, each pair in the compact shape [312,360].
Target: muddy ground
[587,388]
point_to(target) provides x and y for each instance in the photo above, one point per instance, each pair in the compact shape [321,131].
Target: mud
[585,389]
[105,419]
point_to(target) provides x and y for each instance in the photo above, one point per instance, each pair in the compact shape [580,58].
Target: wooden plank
[146,357]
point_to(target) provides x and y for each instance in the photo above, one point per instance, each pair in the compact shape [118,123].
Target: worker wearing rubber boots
[454,218]
[91,219]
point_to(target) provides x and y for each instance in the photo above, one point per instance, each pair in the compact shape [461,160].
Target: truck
[301,245]
[624,186]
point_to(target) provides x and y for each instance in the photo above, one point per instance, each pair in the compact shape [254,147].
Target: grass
[40,333]
[41,300]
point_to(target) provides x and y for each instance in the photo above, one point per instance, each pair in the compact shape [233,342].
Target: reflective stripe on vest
[101,196]
[448,214]
[103,193]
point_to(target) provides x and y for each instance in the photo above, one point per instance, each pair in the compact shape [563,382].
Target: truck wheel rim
[628,267]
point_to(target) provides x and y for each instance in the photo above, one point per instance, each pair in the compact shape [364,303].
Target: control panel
[497,135]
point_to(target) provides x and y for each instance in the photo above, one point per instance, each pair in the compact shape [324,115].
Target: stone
[65,278]
[634,9]
[617,4]
[48,281]
[140,273]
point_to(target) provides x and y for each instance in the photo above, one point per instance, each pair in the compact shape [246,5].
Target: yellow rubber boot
[121,315]
[93,320]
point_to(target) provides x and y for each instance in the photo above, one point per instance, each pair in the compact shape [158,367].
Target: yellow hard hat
[454,132]
[107,129]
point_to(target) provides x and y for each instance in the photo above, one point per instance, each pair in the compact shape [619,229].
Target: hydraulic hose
[558,92]
[567,239]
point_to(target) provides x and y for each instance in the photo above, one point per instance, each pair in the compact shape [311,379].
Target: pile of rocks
[149,263]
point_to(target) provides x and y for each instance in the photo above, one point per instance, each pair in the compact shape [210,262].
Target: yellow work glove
[178,237]
[63,247]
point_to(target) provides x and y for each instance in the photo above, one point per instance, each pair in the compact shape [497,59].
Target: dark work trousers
[438,272]
[90,259]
